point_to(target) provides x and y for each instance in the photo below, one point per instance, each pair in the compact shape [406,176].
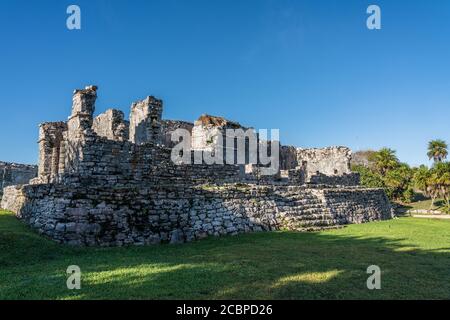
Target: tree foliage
[400,181]
[384,160]
[387,172]
[437,150]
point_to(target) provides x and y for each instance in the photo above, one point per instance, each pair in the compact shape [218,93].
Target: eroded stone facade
[145,121]
[104,181]
[320,166]
[111,125]
[15,174]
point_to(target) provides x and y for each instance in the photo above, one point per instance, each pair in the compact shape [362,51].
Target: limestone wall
[169,126]
[288,158]
[346,179]
[145,121]
[328,161]
[51,146]
[356,205]
[362,157]
[91,215]
[122,163]
[13,199]
[210,131]
[111,125]
[320,165]
[15,174]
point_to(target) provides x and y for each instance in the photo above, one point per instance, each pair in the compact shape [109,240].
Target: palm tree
[435,182]
[442,170]
[420,179]
[384,160]
[437,150]
[433,188]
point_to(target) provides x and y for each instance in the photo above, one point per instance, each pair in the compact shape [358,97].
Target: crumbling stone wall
[169,126]
[210,131]
[51,140]
[297,176]
[93,215]
[15,174]
[145,121]
[111,125]
[123,163]
[329,161]
[361,158]
[357,205]
[346,179]
[321,166]
[96,187]
[288,158]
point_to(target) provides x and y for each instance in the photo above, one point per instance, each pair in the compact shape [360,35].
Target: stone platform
[92,216]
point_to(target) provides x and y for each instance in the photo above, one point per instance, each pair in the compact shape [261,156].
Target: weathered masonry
[15,174]
[108,181]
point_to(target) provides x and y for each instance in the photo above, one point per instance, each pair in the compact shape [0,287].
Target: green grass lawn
[414,256]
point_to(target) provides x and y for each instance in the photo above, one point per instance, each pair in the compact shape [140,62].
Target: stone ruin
[12,174]
[111,182]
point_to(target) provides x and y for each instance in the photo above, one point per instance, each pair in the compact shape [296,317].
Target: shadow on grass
[401,210]
[440,204]
[279,265]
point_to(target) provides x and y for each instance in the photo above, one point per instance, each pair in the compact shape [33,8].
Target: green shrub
[408,195]
[369,178]
[397,182]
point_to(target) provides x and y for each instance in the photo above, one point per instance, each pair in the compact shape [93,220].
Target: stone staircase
[308,213]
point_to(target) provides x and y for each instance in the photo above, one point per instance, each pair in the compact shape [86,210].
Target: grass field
[413,254]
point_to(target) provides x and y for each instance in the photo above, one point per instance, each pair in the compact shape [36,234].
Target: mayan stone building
[12,174]
[108,181]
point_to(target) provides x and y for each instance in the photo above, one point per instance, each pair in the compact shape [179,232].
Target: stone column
[45,154]
[83,107]
[145,121]
[62,154]
[54,163]
[50,140]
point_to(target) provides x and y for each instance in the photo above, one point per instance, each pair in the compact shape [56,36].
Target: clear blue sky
[310,68]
